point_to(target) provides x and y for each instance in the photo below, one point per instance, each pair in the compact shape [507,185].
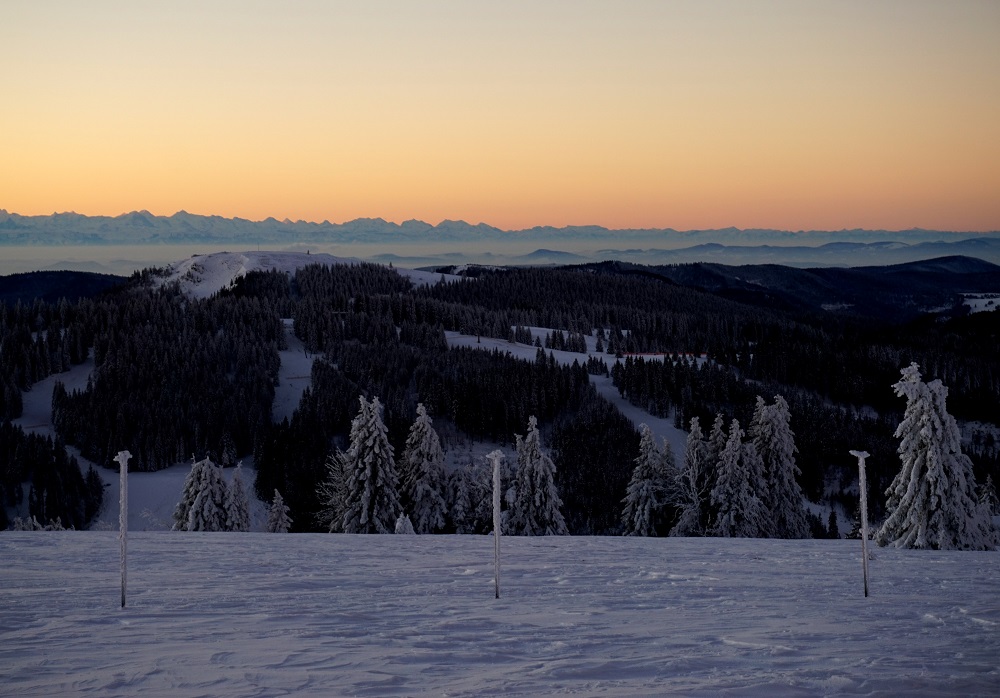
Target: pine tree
[237,504]
[694,486]
[278,520]
[423,469]
[208,511]
[932,501]
[372,487]
[647,490]
[780,493]
[536,510]
[739,511]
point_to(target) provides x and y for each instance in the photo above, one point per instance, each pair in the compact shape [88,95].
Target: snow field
[264,615]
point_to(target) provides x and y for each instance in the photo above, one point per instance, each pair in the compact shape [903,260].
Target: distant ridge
[142,227]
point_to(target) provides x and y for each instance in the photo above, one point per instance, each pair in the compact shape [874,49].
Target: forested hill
[51,286]
[893,293]
[177,373]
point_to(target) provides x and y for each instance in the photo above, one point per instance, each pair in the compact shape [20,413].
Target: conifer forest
[177,377]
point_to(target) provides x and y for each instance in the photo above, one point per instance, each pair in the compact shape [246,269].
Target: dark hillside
[50,286]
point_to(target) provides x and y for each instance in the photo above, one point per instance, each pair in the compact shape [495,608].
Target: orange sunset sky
[792,115]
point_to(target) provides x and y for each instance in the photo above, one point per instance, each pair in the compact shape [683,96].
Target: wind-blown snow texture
[233,614]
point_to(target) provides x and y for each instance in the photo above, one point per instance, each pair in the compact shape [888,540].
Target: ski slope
[257,614]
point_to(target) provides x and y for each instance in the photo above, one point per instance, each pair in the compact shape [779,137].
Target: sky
[793,115]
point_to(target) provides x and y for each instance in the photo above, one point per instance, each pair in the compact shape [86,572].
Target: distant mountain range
[571,244]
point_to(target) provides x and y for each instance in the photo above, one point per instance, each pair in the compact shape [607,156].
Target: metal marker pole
[863,486]
[123,458]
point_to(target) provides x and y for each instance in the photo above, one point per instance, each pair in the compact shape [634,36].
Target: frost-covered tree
[772,436]
[202,506]
[278,520]
[651,485]
[694,486]
[208,511]
[237,504]
[932,502]
[372,504]
[987,496]
[189,491]
[422,468]
[739,512]
[470,497]
[332,492]
[536,510]
[717,439]
[404,526]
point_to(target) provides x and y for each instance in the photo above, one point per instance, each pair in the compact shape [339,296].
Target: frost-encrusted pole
[122,458]
[863,487]
[495,457]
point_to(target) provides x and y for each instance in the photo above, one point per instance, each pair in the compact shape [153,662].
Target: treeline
[174,377]
[57,493]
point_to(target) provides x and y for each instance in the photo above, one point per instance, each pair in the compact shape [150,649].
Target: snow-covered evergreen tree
[717,439]
[932,502]
[422,467]
[404,526]
[208,511]
[987,496]
[739,512]
[459,501]
[771,434]
[332,492]
[647,490]
[202,506]
[189,491]
[373,486]
[694,486]
[536,510]
[237,504]
[278,520]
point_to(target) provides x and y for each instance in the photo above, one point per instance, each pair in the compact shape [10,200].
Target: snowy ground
[329,615]
[982,302]
[294,375]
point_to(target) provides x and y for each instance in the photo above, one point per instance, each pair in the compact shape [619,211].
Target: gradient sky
[792,115]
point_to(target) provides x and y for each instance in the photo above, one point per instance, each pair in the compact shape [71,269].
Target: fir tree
[739,511]
[932,501]
[237,504]
[372,488]
[987,496]
[190,490]
[278,520]
[716,440]
[536,510]
[423,474]
[404,526]
[780,493]
[208,511]
[647,490]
